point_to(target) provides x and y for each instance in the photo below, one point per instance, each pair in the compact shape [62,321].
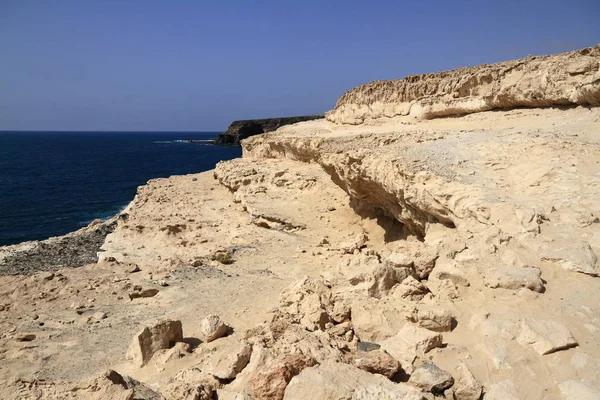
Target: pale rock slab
[212,327]
[332,381]
[514,278]
[497,350]
[410,342]
[431,378]
[578,257]
[149,340]
[579,390]
[467,387]
[230,361]
[546,336]
[504,390]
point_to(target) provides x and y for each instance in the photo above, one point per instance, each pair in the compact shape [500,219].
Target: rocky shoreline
[239,130]
[361,256]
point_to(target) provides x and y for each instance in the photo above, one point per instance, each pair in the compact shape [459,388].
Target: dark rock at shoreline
[73,250]
[242,129]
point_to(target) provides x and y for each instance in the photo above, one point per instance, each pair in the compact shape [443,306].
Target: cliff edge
[243,129]
[566,79]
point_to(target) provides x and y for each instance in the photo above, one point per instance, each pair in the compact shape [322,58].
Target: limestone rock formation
[559,80]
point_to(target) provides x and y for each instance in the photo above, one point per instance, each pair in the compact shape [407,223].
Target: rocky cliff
[558,80]
[242,129]
[449,258]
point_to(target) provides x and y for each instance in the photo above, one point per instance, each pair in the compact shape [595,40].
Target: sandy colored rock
[308,302]
[579,257]
[575,390]
[162,335]
[570,78]
[410,342]
[504,390]
[437,320]
[546,336]
[514,278]
[410,289]
[341,381]
[187,391]
[446,269]
[270,381]
[143,293]
[376,362]
[467,387]
[212,327]
[386,277]
[431,378]
[229,361]
[414,339]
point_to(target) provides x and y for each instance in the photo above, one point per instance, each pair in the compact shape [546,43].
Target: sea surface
[52,183]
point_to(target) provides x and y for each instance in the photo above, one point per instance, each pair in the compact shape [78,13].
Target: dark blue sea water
[52,183]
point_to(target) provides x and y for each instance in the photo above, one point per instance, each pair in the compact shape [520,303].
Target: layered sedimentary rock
[242,129]
[558,80]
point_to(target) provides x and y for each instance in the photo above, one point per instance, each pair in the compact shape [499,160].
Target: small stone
[431,378]
[143,293]
[25,337]
[47,276]
[368,346]
[213,328]
[130,268]
[98,316]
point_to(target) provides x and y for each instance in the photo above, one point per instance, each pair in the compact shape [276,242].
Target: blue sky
[198,65]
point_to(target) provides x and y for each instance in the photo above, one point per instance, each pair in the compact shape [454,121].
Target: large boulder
[149,340]
[212,327]
[228,362]
[334,381]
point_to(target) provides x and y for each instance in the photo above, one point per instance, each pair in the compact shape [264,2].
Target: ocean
[52,183]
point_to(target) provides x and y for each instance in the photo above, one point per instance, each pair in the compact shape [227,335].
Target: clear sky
[197,65]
